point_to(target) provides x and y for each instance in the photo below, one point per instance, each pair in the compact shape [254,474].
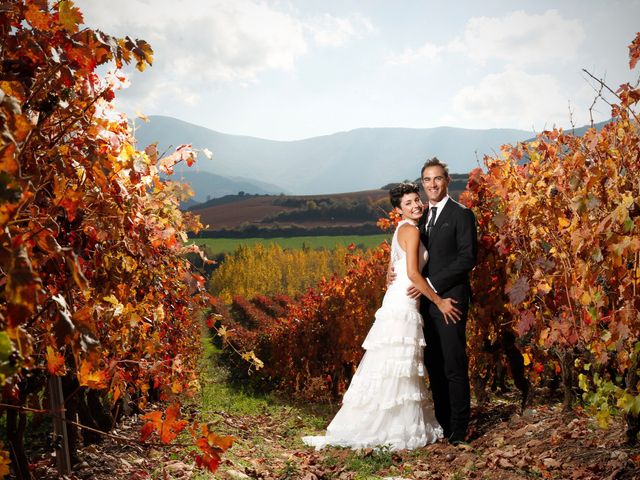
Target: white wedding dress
[387,402]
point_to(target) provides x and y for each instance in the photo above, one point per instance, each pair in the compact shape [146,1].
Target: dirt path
[543,442]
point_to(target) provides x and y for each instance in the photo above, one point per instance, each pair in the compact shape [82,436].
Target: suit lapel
[422,223]
[442,219]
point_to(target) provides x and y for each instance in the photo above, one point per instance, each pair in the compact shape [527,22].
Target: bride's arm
[409,239]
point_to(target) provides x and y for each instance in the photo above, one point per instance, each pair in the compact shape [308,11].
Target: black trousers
[446,360]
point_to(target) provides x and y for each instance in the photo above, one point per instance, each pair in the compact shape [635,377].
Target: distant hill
[209,185]
[357,160]
[239,212]
[286,215]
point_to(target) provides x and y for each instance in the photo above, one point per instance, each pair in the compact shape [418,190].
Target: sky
[286,70]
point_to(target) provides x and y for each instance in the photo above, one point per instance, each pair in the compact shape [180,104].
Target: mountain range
[207,185]
[361,159]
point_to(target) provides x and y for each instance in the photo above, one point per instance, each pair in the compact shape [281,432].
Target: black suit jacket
[452,247]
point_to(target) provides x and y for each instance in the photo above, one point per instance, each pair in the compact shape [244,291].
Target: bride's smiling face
[411,206]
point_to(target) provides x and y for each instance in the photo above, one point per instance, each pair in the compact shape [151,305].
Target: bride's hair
[399,191]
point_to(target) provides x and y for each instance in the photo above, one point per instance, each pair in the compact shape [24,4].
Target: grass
[218,395]
[369,462]
[265,426]
[217,246]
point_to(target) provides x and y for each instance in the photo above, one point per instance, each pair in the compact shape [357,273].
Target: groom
[448,230]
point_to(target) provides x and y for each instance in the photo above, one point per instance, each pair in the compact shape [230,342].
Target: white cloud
[517,38]
[155,94]
[328,30]
[521,38]
[515,99]
[428,51]
[200,45]
[214,40]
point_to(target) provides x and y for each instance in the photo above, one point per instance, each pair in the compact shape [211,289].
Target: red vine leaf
[634,51]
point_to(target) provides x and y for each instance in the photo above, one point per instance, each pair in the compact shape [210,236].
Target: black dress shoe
[456,439]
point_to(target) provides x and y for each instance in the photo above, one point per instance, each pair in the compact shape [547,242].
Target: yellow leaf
[111,299]
[625,402]
[119,308]
[69,15]
[223,332]
[583,382]
[603,418]
[527,359]
[5,461]
[251,358]
[585,299]
[563,222]
[543,287]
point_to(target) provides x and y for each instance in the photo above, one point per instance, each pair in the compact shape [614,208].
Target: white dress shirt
[439,206]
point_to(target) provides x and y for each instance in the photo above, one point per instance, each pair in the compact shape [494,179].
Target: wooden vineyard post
[60,438]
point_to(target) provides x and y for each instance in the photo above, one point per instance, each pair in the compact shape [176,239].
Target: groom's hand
[413,292]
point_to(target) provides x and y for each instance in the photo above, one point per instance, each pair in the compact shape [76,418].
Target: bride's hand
[449,310]
[413,292]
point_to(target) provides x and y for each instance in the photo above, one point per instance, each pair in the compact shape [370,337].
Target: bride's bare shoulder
[408,230]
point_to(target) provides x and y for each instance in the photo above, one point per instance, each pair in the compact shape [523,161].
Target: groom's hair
[399,191]
[434,162]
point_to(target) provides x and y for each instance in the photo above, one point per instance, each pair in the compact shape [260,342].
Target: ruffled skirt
[387,402]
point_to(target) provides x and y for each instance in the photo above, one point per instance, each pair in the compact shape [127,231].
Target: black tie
[432,220]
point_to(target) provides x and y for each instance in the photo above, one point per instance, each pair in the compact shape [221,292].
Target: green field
[226,245]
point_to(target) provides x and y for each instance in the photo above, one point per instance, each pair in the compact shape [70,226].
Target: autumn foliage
[559,221]
[94,288]
[271,270]
[310,344]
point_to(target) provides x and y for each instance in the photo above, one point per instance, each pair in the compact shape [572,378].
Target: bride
[387,403]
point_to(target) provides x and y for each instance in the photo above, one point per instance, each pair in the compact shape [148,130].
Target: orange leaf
[210,439]
[8,162]
[14,89]
[55,362]
[168,428]
[154,424]
[172,426]
[94,379]
[223,443]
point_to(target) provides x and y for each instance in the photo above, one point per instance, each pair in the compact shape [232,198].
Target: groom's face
[435,182]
